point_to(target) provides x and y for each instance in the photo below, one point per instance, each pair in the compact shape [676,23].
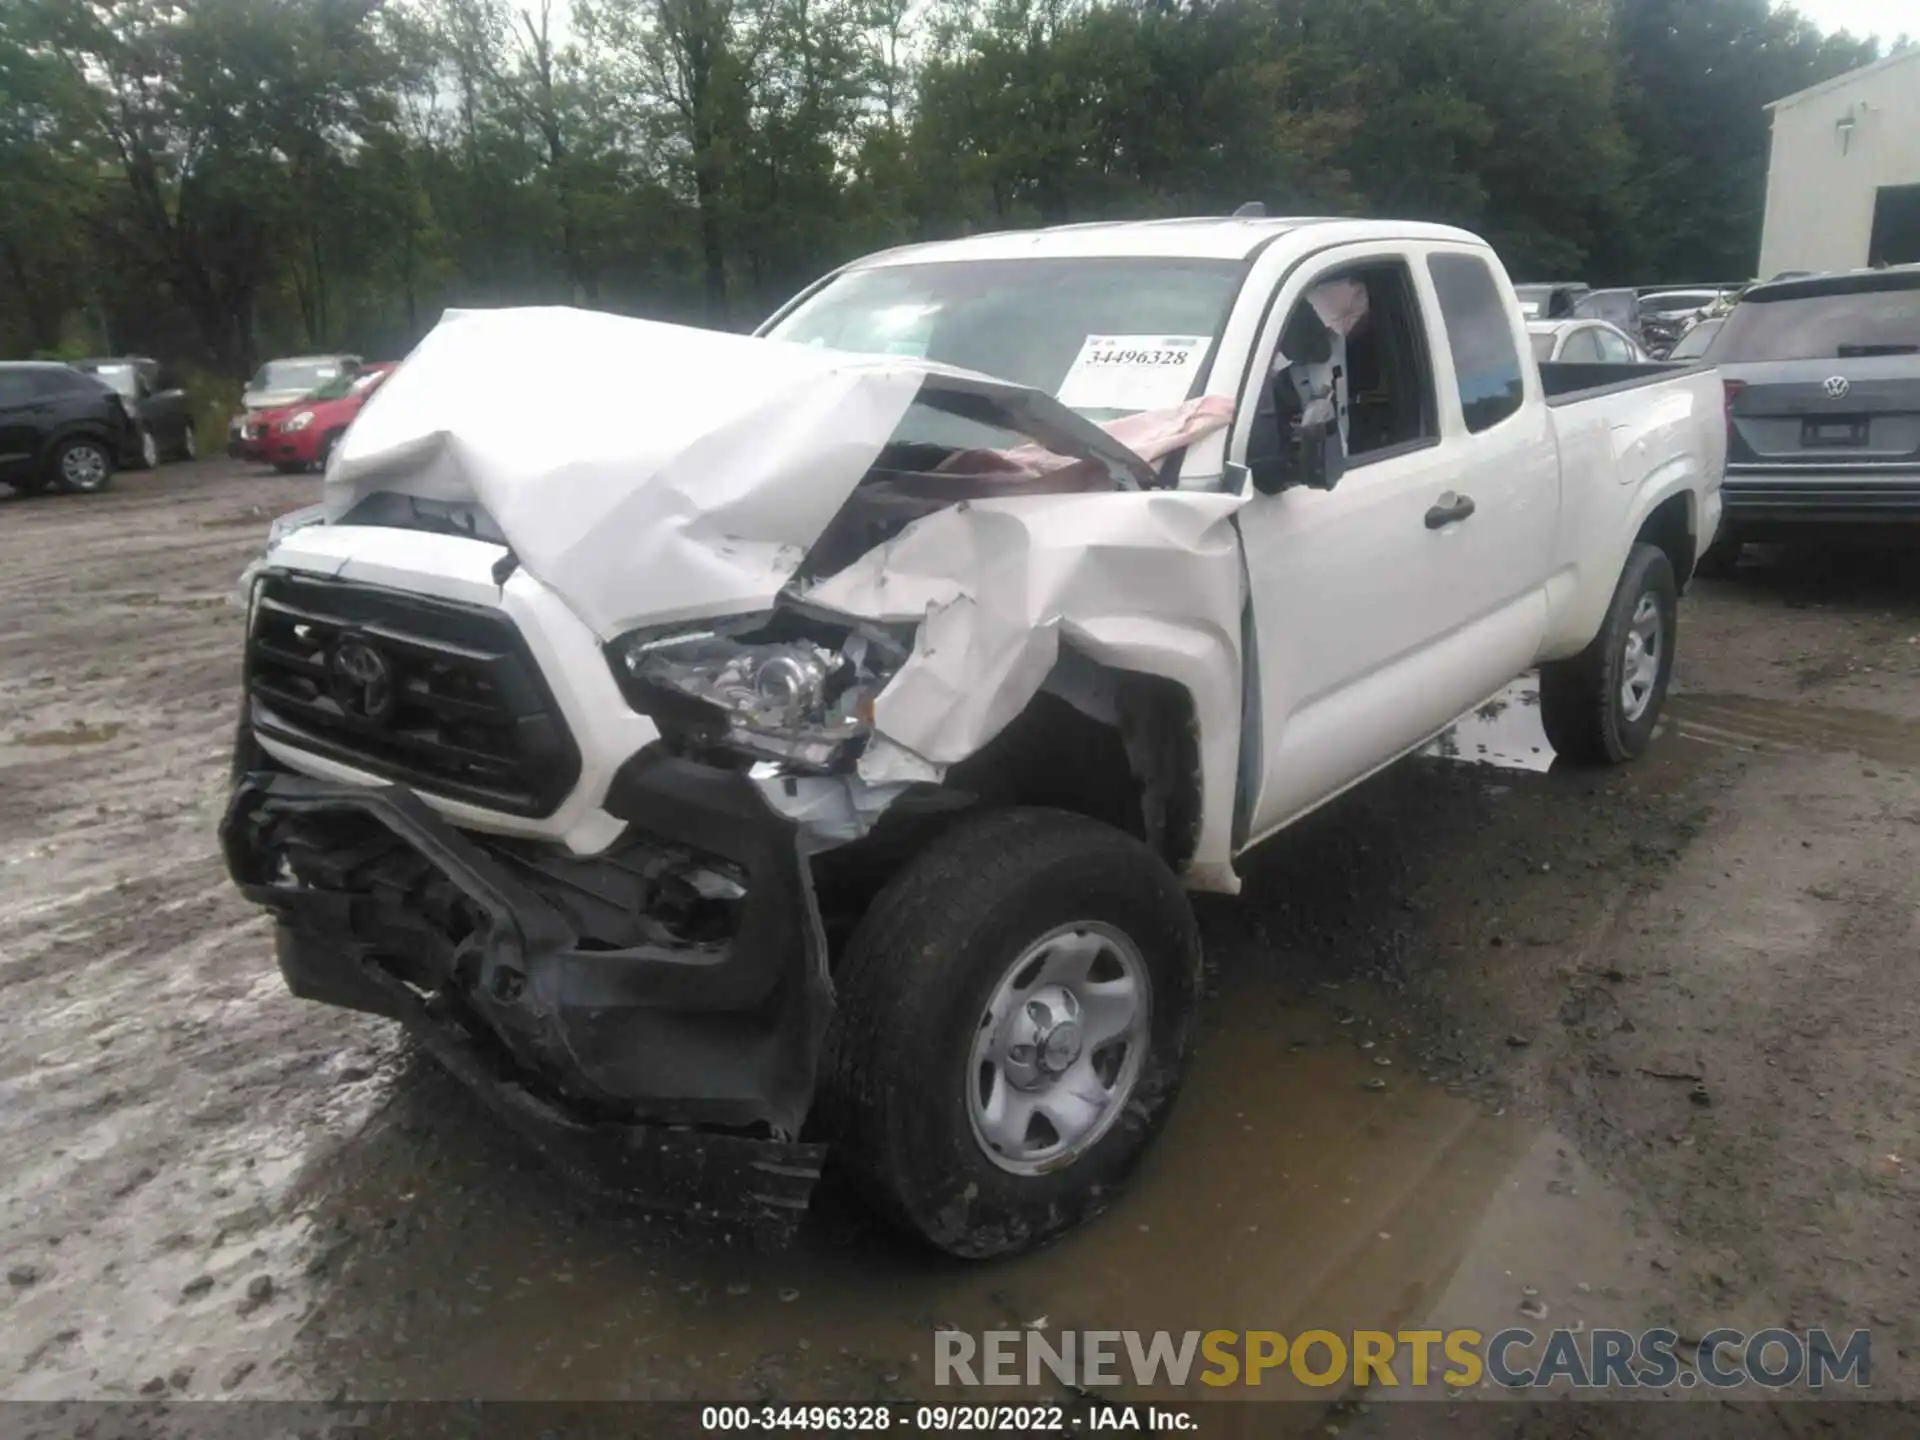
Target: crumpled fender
[1146,582]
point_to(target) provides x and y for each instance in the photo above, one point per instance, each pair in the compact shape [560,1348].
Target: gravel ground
[1650,1054]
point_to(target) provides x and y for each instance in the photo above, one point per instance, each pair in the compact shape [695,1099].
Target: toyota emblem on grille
[1837,387]
[362,679]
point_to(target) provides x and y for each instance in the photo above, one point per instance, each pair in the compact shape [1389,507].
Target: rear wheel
[82,467]
[1015,1013]
[149,450]
[189,443]
[1600,706]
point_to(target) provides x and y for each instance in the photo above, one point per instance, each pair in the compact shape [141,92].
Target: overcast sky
[1885,18]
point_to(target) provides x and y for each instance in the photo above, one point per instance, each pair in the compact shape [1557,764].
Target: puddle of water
[1742,722]
[1503,732]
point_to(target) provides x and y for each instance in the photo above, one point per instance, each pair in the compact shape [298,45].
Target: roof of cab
[1195,238]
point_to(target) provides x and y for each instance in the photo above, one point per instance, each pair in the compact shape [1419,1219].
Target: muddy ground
[1646,1038]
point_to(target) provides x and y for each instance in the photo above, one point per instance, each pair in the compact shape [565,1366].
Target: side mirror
[1284,449]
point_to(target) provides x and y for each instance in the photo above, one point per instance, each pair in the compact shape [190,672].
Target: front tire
[1015,1014]
[82,467]
[1600,706]
[189,443]
[149,450]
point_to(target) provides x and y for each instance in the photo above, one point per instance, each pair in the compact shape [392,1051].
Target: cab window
[1486,363]
[1384,374]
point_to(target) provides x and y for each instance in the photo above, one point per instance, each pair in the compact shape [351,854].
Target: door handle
[1449,508]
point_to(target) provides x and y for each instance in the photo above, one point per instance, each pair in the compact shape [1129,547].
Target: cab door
[1387,605]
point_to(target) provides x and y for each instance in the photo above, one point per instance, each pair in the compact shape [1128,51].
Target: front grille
[438,696]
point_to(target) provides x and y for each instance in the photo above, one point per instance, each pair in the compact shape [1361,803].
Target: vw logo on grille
[362,679]
[1837,387]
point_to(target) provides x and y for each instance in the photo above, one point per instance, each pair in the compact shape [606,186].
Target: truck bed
[1566,382]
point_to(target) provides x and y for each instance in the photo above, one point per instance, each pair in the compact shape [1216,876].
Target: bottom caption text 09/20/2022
[913,1419]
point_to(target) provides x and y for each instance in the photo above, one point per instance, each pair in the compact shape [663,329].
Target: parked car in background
[1694,344]
[61,428]
[281,382]
[1665,315]
[1583,341]
[1620,308]
[1549,301]
[159,406]
[1822,380]
[302,435]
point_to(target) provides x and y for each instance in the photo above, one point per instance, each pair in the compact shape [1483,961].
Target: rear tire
[1599,707]
[82,467]
[149,450]
[189,443]
[1027,964]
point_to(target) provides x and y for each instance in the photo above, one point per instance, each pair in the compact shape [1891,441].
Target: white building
[1843,186]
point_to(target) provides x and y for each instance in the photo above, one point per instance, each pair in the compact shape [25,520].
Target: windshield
[301,375]
[1108,337]
[342,386]
[1833,326]
[1542,347]
[1680,302]
[123,378]
[1695,341]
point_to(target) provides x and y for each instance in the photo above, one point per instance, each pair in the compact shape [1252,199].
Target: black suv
[59,427]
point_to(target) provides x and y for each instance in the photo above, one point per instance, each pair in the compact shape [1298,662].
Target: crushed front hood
[654,473]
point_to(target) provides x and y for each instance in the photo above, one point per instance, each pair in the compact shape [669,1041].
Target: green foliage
[219,180]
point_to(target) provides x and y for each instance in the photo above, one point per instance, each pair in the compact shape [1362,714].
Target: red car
[300,436]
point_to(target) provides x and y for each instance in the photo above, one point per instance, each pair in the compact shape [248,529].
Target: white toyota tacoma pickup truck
[738,754]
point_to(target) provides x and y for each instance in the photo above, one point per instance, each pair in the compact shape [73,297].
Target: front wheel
[1015,1014]
[1600,706]
[149,450]
[189,443]
[82,467]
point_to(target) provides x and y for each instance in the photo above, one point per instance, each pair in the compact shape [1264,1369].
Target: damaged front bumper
[651,1018]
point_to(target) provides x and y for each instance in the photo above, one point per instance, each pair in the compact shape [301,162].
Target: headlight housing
[297,422]
[775,686]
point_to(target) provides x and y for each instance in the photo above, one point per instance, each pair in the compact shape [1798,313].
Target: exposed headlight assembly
[775,686]
[297,422]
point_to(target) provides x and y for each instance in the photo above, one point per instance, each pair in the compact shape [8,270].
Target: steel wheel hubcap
[1059,1048]
[1640,660]
[83,467]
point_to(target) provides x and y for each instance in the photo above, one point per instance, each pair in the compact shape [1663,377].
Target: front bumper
[675,1072]
[1780,498]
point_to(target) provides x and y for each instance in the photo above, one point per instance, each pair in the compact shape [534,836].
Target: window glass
[1384,370]
[1613,348]
[1582,347]
[1839,324]
[1029,321]
[1695,342]
[1542,345]
[1485,362]
[16,388]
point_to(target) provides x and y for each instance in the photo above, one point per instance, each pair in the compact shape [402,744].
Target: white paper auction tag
[1133,372]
